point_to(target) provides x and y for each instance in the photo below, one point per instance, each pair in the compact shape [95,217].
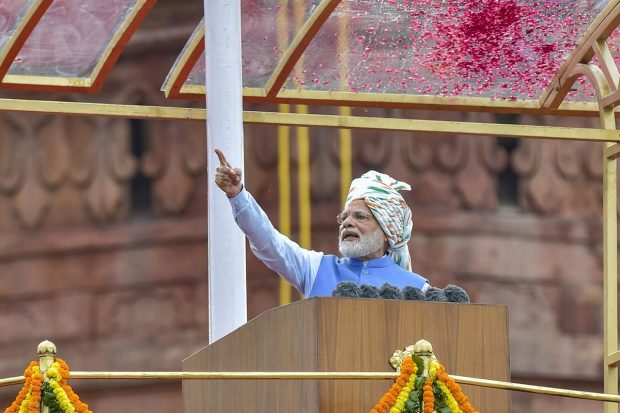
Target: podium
[347,334]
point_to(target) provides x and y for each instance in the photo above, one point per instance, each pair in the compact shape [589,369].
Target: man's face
[360,235]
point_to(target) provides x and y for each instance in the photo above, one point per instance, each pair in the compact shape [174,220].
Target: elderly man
[375,226]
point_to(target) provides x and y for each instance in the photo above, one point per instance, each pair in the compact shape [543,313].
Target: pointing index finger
[222,158]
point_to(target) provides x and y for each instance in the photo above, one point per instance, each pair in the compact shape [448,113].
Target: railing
[49,350]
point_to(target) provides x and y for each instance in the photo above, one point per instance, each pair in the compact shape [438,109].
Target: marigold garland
[407,368]
[403,396]
[450,400]
[429,397]
[79,405]
[24,407]
[55,393]
[411,393]
[456,391]
[21,396]
[35,390]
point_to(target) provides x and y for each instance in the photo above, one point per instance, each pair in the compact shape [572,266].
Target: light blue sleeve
[297,265]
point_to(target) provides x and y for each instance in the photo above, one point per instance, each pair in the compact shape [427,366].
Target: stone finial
[46,348]
[397,358]
[423,348]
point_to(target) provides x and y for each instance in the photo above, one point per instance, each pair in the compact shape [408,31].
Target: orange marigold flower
[408,366]
[456,391]
[389,398]
[428,397]
[14,407]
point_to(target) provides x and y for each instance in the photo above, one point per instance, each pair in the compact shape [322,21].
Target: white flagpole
[227,273]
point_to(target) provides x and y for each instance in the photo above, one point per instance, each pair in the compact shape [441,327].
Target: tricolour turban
[380,193]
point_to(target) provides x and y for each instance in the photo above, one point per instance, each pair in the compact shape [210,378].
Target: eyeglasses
[358,216]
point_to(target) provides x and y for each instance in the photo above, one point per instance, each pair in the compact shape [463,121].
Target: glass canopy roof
[75,43]
[490,48]
[322,50]
[471,48]
[15,19]
[267,29]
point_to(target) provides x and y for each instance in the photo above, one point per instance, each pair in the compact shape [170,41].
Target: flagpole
[226,243]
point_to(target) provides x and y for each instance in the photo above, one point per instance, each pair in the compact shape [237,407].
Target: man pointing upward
[375,226]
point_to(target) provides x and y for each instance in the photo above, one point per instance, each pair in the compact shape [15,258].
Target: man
[375,227]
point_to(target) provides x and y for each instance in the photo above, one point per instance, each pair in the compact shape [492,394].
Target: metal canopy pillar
[227,272]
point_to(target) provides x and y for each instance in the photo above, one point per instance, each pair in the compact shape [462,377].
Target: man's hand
[227,177]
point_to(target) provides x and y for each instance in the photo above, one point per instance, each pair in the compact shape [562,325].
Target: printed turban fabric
[380,193]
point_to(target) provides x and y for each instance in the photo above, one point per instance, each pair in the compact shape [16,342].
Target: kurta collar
[382,262]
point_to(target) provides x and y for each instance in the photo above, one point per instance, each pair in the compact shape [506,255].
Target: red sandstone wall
[122,287]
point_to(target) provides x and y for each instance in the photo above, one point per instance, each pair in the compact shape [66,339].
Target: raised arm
[297,265]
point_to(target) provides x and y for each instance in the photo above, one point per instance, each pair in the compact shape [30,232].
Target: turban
[380,193]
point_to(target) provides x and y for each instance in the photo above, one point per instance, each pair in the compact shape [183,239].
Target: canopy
[476,53]
[64,44]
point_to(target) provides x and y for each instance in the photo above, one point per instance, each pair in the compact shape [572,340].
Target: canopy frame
[91,83]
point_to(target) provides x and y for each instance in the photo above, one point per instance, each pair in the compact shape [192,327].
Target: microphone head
[435,294]
[413,294]
[346,289]
[369,291]
[390,292]
[456,294]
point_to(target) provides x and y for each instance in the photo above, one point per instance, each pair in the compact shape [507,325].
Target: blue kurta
[334,270]
[312,272]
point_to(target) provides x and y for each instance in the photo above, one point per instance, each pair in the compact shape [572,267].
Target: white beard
[363,246]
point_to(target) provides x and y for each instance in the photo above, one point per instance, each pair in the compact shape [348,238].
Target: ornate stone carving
[325,181]
[431,184]
[417,153]
[558,176]
[475,181]
[455,171]
[451,154]
[175,156]
[373,149]
[261,162]
[33,163]
[102,165]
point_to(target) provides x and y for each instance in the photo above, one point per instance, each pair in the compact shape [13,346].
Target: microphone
[456,294]
[435,294]
[390,292]
[369,291]
[346,289]
[413,294]
[451,293]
